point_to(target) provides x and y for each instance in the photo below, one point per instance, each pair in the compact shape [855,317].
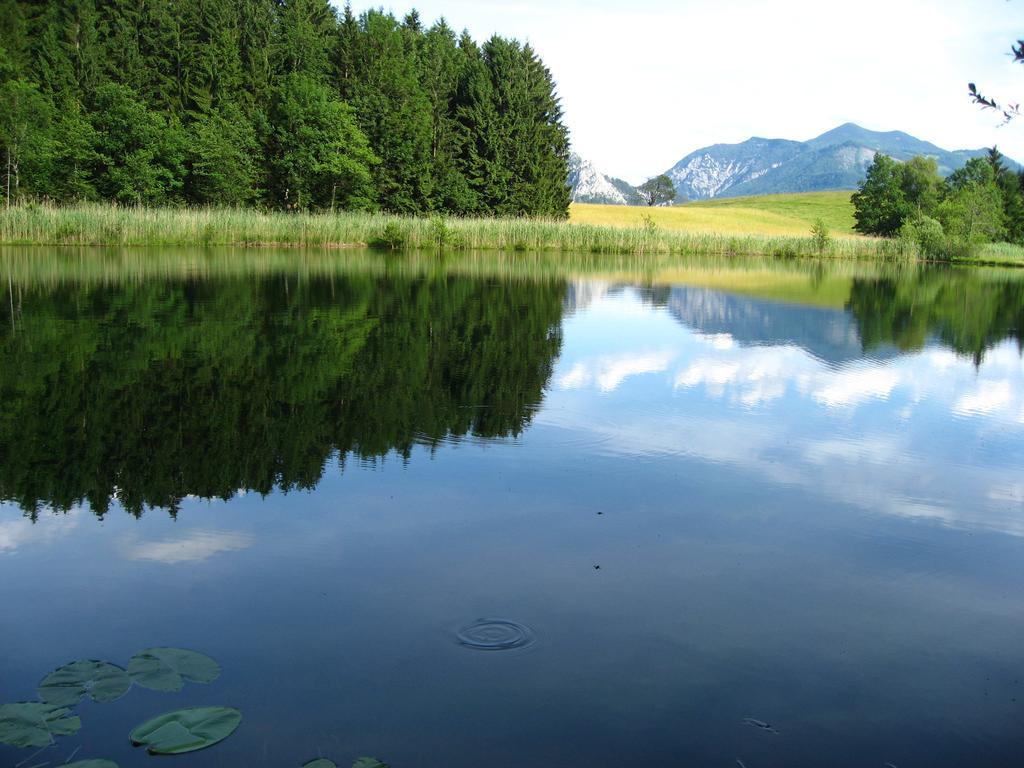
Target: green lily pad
[167,669]
[319,763]
[35,724]
[186,730]
[369,762]
[65,687]
[91,764]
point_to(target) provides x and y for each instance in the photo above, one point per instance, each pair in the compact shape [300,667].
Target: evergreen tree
[393,111]
[13,39]
[256,30]
[441,68]
[516,149]
[476,117]
[65,48]
[306,36]
[1009,184]
[549,193]
[164,101]
[212,67]
[121,23]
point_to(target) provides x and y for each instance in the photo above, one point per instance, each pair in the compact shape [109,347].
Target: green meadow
[779,228]
[770,215]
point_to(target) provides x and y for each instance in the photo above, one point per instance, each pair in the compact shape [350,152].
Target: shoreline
[98,225]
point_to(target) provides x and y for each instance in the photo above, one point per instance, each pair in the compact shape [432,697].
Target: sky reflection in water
[719,508]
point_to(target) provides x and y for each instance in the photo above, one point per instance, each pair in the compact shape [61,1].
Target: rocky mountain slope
[838,159]
[589,185]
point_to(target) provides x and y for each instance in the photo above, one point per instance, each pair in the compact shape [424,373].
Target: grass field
[772,215]
[108,225]
[780,227]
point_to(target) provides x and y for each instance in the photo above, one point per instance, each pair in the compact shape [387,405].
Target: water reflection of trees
[151,392]
[965,312]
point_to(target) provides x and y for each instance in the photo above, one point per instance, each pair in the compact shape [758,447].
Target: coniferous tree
[212,68]
[548,190]
[477,120]
[393,111]
[256,30]
[13,39]
[306,36]
[441,67]
[1013,199]
[211,101]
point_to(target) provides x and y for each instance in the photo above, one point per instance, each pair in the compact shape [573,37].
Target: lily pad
[369,762]
[167,669]
[35,724]
[320,762]
[65,687]
[91,764]
[186,730]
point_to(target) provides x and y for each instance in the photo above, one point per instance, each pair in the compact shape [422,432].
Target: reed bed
[114,226]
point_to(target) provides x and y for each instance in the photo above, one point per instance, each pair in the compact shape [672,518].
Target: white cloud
[21,532]
[191,547]
[854,386]
[609,372]
[987,397]
[814,445]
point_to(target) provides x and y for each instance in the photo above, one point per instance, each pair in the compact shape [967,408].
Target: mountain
[591,186]
[838,159]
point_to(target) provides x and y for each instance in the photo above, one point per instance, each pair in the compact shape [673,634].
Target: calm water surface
[683,503]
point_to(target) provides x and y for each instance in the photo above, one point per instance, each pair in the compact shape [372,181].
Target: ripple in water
[495,635]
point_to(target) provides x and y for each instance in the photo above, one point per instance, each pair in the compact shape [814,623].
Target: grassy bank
[771,215]
[104,225]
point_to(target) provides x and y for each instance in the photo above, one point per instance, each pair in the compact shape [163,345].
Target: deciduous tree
[657,191]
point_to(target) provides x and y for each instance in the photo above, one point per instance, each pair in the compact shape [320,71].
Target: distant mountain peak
[837,159]
[589,185]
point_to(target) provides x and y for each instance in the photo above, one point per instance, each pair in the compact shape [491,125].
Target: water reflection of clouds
[911,435]
[21,532]
[192,547]
[757,375]
[609,372]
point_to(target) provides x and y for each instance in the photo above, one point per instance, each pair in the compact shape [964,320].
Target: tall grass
[107,225]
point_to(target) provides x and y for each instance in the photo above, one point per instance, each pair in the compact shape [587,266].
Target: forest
[276,104]
[154,391]
[943,218]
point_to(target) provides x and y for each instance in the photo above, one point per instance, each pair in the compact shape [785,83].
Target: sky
[646,82]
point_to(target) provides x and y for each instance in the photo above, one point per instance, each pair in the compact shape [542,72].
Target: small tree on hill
[657,191]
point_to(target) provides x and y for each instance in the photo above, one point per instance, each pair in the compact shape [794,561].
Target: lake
[520,510]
